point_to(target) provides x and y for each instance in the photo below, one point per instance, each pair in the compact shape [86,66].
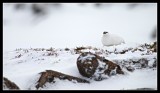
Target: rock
[7,84]
[78,49]
[130,68]
[87,64]
[154,64]
[137,63]
[154,47]
[112,66]
[50,75]
[143,62]
[93,66]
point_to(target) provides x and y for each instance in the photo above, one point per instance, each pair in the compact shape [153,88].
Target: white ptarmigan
[111,39]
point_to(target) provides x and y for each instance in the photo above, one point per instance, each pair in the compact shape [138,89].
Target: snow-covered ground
[23,70]
[73,26]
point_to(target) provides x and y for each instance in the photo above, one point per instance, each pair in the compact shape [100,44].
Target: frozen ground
[23,70]
[74,26]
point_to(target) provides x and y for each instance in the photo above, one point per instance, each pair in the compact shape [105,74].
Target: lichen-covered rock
[50,75]
[93,66]
[8,85]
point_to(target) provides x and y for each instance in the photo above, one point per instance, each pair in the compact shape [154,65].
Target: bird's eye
[105,32]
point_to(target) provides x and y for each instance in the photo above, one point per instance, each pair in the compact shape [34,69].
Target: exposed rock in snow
[111,39]
[130,68]
[87,64]
[139,59]
[50,75]
[137,63]
[154,47]
[8,85]
[93,66]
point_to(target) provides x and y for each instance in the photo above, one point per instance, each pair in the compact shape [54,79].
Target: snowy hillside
[33,44]
[23,65]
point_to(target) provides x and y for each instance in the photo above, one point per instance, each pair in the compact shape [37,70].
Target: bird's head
[105,33]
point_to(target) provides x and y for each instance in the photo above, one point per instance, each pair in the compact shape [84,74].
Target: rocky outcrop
[50,75]
[93,66]
[137,63]
[8,85]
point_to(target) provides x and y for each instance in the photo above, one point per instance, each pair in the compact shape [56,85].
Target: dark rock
[7,84]
[78,49]
[143,62]
[66,49]
[87,64]
[93,66]
[154,47]
[49,75]
[18,56]
[112,66]
[129,68]
[155,63]
[137,63]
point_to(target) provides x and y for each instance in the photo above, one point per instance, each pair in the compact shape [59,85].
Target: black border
[88,1]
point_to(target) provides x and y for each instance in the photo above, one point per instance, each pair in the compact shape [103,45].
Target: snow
[99,73]
[73,26]
[24,71]
[131,81]
[88,56]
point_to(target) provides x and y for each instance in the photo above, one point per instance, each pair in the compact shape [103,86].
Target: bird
[111,39]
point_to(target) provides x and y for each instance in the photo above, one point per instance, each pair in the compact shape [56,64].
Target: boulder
[50,75]
[93,66]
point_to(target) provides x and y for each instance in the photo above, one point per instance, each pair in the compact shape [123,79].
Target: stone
[130,68]
[50,75]
[7,84]
[93,66]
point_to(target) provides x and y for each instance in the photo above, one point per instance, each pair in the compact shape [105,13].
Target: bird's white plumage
[111,39]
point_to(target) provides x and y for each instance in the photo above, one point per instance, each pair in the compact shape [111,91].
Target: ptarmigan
[111,39]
